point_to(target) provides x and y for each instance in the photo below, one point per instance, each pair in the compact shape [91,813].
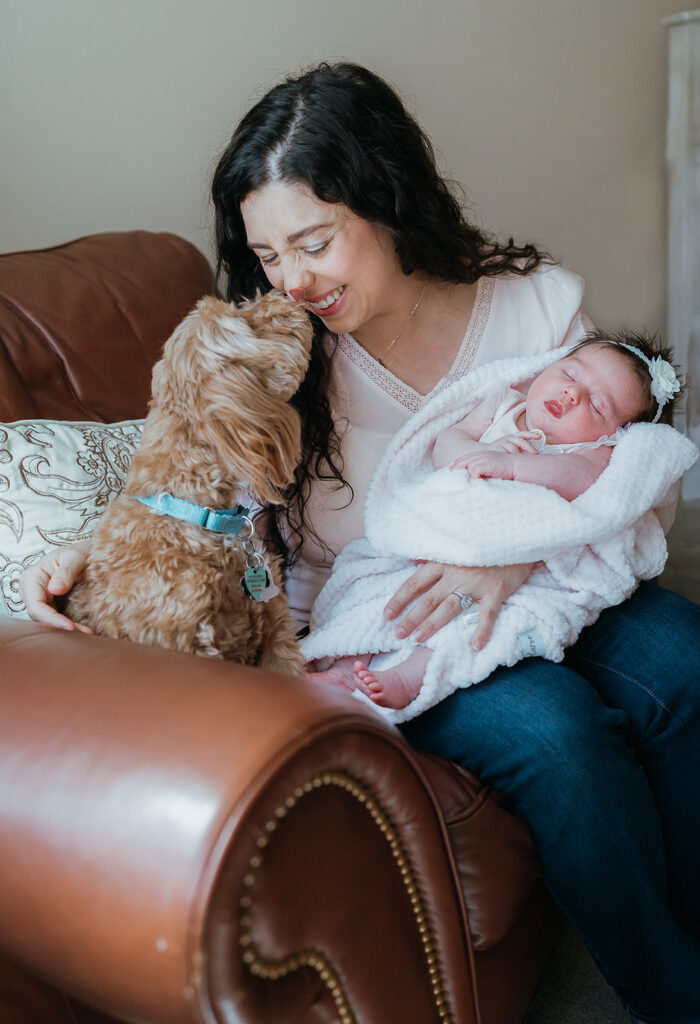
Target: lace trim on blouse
[403,393]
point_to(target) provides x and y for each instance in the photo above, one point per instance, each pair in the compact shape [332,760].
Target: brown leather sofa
[183,840]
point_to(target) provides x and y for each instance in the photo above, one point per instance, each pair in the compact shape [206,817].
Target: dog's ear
[258,441]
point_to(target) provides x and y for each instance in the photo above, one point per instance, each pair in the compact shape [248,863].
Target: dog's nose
[298,294]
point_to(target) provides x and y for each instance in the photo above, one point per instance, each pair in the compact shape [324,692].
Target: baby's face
[584,396]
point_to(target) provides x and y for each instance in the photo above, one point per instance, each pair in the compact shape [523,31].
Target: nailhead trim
[271,970]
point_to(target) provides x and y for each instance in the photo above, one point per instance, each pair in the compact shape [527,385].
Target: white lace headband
[664,382]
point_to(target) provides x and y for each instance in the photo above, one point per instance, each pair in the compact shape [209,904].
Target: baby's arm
[568,474]
[459,441]
[460,438]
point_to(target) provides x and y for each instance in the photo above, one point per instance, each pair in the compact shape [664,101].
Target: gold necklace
[403,326]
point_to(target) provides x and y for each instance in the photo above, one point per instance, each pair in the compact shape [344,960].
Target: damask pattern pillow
[56,480]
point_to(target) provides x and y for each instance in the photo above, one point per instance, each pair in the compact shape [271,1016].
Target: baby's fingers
[517,443]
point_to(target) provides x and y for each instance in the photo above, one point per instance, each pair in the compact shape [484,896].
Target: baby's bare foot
[394,688]
[340,674]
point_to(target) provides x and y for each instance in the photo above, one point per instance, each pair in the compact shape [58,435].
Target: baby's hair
[649,345]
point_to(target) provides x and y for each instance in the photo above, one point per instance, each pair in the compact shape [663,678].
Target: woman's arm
[53,576]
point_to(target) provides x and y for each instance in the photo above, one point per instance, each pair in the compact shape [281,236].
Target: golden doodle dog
[174,561]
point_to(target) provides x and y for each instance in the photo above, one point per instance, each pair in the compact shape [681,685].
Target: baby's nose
[572,393]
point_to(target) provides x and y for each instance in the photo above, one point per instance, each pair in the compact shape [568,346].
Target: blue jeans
[601,755]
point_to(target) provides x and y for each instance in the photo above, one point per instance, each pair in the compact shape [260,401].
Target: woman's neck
[428,342]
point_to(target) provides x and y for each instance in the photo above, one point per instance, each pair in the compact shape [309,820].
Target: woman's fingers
[504,581]
[489,607]
[449,607]
[423,578]
[432,589]
[52,576]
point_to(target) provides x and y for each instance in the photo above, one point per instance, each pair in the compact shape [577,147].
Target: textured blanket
[591,552]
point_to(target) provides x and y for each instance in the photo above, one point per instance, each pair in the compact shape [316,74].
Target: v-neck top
[511,316]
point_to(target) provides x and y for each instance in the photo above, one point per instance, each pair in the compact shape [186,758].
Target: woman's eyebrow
[294,237]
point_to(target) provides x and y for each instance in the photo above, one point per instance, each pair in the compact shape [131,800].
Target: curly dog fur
[219,428]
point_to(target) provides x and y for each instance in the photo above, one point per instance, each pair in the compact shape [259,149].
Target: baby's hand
[522,442]
[487,464]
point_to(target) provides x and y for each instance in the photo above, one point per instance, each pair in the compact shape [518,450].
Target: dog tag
[254,581]
[270,591]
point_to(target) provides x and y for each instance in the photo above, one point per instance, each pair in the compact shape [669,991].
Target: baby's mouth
[329,300]
[553,408]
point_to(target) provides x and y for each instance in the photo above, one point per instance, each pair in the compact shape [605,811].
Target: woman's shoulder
[537,311]
[549,281]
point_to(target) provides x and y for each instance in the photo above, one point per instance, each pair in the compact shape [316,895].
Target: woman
[328,190]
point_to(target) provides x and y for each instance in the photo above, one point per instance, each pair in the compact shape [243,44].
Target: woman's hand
[52,576]
[433,584]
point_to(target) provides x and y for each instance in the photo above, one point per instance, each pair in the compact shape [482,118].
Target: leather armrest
[183,839]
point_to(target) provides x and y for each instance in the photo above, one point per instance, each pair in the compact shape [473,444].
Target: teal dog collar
[219,520]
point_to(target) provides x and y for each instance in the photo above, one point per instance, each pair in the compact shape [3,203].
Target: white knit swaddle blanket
[595,549]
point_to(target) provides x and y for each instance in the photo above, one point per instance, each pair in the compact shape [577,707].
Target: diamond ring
[464,599]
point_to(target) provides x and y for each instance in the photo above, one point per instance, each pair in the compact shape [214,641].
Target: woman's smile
[328,304]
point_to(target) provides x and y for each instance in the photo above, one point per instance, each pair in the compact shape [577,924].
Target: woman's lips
[328,304]
[553,408]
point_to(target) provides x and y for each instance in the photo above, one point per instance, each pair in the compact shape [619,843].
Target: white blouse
[511,316]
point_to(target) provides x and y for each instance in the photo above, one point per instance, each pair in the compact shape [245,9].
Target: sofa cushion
[82,324]
[56,479]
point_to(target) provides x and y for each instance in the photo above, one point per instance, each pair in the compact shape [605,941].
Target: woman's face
[344,267]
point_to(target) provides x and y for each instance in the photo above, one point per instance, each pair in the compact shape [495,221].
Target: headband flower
[664,383]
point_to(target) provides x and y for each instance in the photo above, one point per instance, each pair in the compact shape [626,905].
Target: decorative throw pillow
[56,480]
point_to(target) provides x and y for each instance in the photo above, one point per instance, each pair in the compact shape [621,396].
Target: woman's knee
[534,721]
[643,656]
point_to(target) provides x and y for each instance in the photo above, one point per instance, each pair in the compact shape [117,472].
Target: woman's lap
[564,742]
[633,674]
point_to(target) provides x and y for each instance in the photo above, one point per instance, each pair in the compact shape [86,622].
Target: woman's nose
[297,281]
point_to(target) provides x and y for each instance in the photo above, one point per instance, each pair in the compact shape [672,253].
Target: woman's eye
[316,250]
[267,261]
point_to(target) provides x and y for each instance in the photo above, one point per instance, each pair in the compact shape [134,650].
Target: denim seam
[637,682]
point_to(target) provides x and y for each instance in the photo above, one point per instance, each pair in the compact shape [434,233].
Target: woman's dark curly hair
[343,132]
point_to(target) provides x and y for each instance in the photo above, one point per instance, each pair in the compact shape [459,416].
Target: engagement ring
[464,599]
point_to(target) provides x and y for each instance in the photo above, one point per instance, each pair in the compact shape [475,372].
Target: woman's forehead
[286,208]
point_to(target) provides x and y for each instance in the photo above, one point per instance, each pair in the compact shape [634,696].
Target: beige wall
[552,112]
